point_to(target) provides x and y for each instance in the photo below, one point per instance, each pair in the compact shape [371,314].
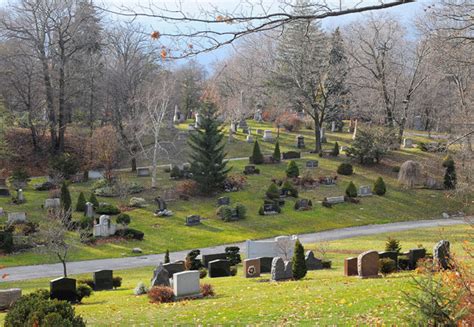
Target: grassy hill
[398,204]
[323,297]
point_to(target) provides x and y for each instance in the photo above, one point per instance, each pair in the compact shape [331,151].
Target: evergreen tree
[94,201]
[379,187]
[66,201]
[167,256]
[292,170]
[335,150]
[299,263]
[207,158]
[81,203]
[351,190]
[276,152]
[257,156]
[450,178]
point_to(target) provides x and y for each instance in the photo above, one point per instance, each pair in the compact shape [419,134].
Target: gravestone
[334,199]
[270,209]
[300,142]
[54,203]
[249,139]
[4,191]
[303,204]
[20,196]
[219,268]
[407,143]
[143,172]
[63,288]
[364,190]
[89,213]
[368,264]
[313,263]
[288,270]
[259,131]
[265,264]
[206,258]
[105,227]
[312,164]
[414,255]
[333,126]
[233,128]
[291,155]
[322,134]
[198,120]
[250,170]
[251,268]
[8,297]
[441,254]
[95,174]
[14,217]
[258,116]
[103,280]
[186,284]
[350,266]
[223,201]
[278,269]
[418,123]
[193,220]
[327,180]
[267,136]
[161,276]
[174,267]
[390,255]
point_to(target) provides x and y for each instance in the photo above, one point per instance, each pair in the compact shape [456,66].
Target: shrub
[335,150]
[137,202]
[277,153]
[131,234]
[370,145]
[65,197]
[83,291]
[345,168]
[235,182]
[260,211]
[107,209]
[64,164]
[241,210]
[187,188]
[225,212]
[123,219]
[289,121]
[140,289]
[233,271]
[161,294]
[36,309]
[93,200]
[298,261]
[176,172]
[257,156]
[290,189]
[191,261]
[202,273]
[167,256]
[387,266]
[379,187]
[292,170]
[19,175]
[86,222]
[273,192]
[207,290]
[233,255]
[87,281]
[351,190]
[393,245]
[6,241]
[81,203]
[450,178]
[116,282]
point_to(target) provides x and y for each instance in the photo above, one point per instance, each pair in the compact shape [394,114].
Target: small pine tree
[292,170]
[273,192]
[351,190]
[276,152]
[450,178]
[257,156]
[335,150]
[66,201]
[94,201]
[379,187]
[81,203]
[299,263]
[167,256]
[393,245]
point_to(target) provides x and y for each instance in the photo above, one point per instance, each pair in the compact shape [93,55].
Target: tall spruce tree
[299,264]
[207,157]
[277,152]
[66,201]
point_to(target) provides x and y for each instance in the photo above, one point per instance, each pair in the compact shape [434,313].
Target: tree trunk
[317,133]
[49,100]
[134,164]
[62,103]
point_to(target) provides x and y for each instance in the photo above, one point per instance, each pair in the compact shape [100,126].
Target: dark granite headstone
[312,164]
[4,191]
[300,142]
[265,264]
[174,267]
[223,201]
[250,170]
[441,253]
[219,268]
[143,172]
[160,203]
[103,280]
[303,204]
[63,289]
[161,276]
[193,220]
[414,255]
[350,266]
[291,155]
[206,258]
[270,208]
[313,263]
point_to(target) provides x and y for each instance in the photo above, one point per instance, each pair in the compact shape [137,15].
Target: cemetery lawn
[398,204]
[323,297]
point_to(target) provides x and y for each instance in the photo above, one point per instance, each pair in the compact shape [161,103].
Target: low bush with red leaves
[187,188]
[161,294]
[289,121]
[207,290]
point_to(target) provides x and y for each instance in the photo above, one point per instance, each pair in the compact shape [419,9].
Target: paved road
[53,270]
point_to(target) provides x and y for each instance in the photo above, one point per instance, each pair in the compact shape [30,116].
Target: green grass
[322,298]
[170,233]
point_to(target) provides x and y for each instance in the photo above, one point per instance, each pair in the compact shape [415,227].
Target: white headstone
[89,210]
[365,190]
[14,217]
[20,196]
[186,284]
[333,126]
[105,227]
[407,143]
[267,135]
[197,124]
[52,203]
[95,174]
